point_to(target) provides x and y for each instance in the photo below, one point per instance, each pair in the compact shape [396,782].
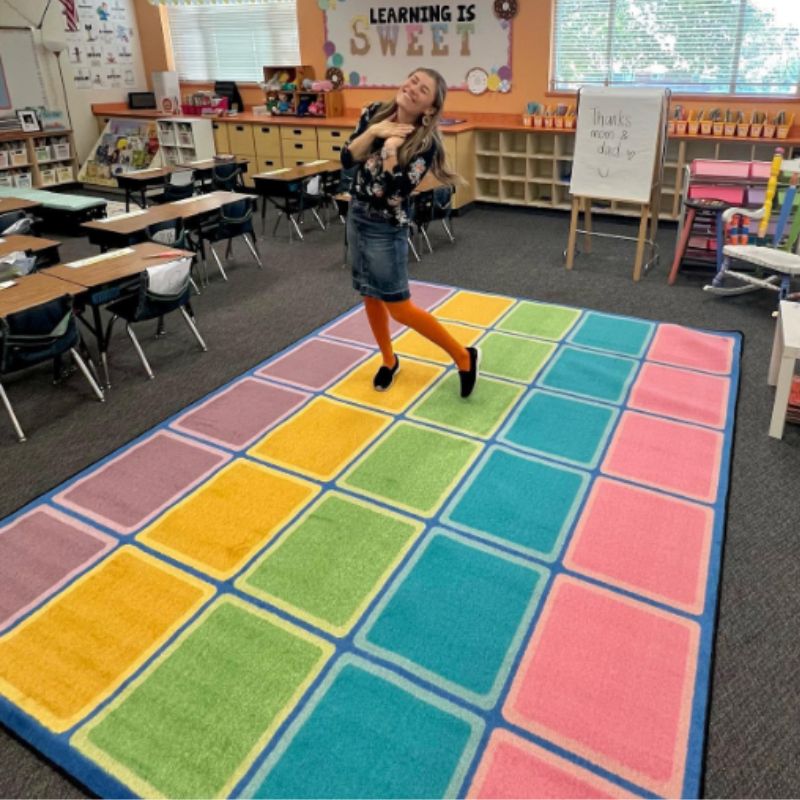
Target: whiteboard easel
[620,142]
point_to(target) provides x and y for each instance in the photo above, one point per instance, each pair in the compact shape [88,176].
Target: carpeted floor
[753,738]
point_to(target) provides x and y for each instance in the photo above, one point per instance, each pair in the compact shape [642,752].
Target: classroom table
[103,277]
[127,229]
[139,181]
[204,169]
[29,291]
[16,204]
[284,188]
[45,250]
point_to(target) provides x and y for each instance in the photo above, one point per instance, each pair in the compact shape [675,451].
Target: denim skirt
[378,254]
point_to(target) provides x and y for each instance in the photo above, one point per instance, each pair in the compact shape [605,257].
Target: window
[711,46]
[233,41]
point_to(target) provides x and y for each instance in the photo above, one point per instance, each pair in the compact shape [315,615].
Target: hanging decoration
[505,9]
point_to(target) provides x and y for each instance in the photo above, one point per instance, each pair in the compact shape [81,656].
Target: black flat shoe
[470,376]
[384,377]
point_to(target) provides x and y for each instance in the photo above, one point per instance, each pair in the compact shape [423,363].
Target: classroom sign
[376,44]
[616,141]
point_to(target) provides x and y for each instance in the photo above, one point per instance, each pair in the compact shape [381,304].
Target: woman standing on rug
[393,147]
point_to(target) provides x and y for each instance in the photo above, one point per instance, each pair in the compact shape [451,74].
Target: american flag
[70,15]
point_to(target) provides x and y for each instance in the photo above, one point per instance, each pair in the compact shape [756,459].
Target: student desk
[45,250]
[284,188]
[204,169]
[139,181]
[16,204]
[101,279]
[30,291]
[128,229]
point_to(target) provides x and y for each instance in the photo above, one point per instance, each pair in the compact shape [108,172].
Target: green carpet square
[192,724]
[480,415]
[369,733]
[412,467]
[513,357]
[330,564]
[540,319]
[456,616]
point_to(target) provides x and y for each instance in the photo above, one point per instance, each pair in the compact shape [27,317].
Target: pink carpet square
[40,551]
[428,295]
[648,543]
[683,347]
[672,456]
[141,482]
[693,396]
[512,768]
[315,363]
[610,679]
[240,414]
[355,328]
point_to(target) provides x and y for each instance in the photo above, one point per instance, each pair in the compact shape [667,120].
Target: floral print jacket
[386,193]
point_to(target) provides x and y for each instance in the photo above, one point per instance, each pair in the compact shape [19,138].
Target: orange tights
[406,313]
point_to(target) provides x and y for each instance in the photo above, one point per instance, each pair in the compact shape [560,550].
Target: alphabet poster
[376,44]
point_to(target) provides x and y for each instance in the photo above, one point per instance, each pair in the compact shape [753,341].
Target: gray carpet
[753,747]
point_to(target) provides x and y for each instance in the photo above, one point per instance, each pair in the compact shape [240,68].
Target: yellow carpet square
[321,439]
[221,525]
[72,653]
[474,308]
[411,381]
[412,343]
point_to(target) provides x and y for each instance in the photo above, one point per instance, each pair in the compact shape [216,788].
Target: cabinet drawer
[221,142]
[331,150]
[240,138]
[266,164]
[299,151]
[334,134]
[267,139]
[298,134]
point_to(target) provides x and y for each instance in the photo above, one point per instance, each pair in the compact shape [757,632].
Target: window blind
[704,46]
[233,41]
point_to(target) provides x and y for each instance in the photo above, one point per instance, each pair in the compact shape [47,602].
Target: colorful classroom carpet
[299,587]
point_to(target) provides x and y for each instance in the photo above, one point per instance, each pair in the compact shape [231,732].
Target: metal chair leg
[275,226]
[296,227]
[139,351]
[424,232]
[88,375]
[193,328]
[413,249]
[253,249]
[447,230]
[318,218]
[14,421]
[229,249]
[104,353]
[194,286]
[219,263]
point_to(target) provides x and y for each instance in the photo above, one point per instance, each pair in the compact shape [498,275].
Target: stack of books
[793,411]
[9,124]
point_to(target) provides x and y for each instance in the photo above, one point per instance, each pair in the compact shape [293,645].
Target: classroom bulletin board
[369,43]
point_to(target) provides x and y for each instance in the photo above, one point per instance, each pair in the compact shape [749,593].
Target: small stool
[785,352]
[693,205]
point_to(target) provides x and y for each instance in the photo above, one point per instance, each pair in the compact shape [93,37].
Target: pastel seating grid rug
[299,587]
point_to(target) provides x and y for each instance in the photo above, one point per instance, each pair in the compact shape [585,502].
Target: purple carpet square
[242,413]
[138,484]
[428,295]
[39,553]
[314,364]
[355,328]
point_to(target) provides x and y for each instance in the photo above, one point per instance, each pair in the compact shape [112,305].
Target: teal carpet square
[367,733]
[593,375]
[488,503]
[561,427]
[456,616]
[629,337]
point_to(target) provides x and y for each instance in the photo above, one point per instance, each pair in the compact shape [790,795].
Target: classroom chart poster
[616,139]
[375,44]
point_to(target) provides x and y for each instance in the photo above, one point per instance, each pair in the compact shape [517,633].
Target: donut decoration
[505,9]
[335,76]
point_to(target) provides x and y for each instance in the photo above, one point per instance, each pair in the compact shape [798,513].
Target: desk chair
[162,289]
[436,204]
[231,221]
[292,199]
[227,177]
[40,334]
[177,186]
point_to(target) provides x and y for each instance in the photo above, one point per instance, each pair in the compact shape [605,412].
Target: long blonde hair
[426,131]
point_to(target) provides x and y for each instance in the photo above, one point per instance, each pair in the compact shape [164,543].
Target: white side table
[785,351]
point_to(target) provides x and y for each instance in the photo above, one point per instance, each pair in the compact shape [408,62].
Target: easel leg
[587,224]
[637,267]
[573,231]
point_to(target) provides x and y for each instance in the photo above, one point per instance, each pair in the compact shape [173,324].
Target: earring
[426,119]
